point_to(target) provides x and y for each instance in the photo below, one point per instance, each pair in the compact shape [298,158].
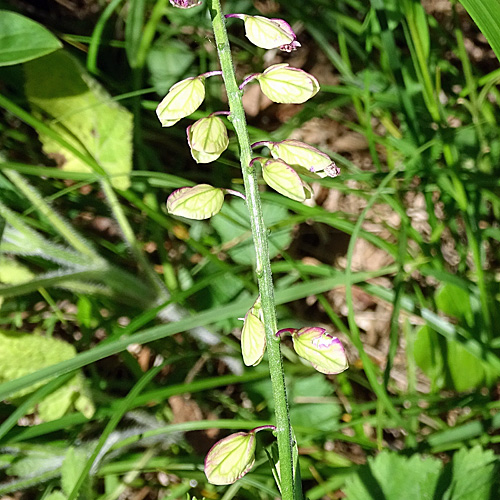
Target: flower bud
[182,99]
[185,4]
[284,84]
[284,179]
[207,139]
[230,458]
[299,153]
[325,352]
[253,336]
[197,202]
[269,33]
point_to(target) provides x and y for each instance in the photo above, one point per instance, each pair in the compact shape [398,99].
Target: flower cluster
[208,138]
[232,457]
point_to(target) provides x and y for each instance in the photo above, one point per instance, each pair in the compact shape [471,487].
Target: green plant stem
[263,265]
[131,240]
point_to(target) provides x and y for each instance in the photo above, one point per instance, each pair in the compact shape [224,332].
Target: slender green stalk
[370,371]
[111,426]
[131,240]
[263,266]
[57,222]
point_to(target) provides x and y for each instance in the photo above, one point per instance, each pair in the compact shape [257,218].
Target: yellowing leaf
[22,353]
[75,106]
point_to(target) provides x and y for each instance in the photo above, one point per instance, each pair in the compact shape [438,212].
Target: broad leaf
[393,477]
[83,113]
[486,14]
[21,354]
[22,39]
[473,475]
[233,225]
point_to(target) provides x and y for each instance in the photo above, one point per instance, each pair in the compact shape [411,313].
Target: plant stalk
[263,266]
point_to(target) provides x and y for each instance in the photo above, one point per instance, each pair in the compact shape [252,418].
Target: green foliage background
[119,351]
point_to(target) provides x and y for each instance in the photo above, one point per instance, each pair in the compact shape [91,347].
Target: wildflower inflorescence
[232,457]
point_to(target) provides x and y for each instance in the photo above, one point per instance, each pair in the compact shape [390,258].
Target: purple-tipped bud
[185,4]
[312,160]
[269,33]
[325,352]
[230,458]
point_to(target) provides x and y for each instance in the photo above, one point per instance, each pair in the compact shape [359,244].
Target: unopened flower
[299,153]
[185,4]
[207,139]
[284,84]
[182,99]
[325,352]
[285,180]
[253,336]
[268,33]
[197,202]
[232,457]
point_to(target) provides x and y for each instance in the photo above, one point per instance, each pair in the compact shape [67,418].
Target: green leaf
[486,14]
[447,363]
[55,495]
[197,202]
[474,475]
[393,477]
[134,31]
[12,272]
[233,225]
[76,107]
[454,301]
[311,404]
[22,354]
[35,460]
[74,462]
[167,61]
[22,39]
